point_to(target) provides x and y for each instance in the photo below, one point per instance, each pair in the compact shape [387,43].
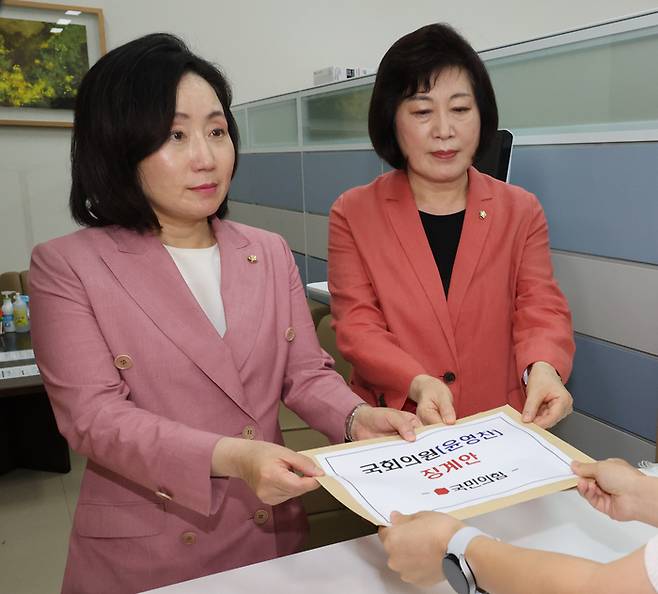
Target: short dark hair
[123,113]
[412,64]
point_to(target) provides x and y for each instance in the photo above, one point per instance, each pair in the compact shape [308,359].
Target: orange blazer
[504,309]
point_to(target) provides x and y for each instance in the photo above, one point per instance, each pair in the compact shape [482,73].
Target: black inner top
[443,233]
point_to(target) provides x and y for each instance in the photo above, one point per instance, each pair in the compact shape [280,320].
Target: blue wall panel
[300,260]
[599,198]
[241,183]
[269,179]
[329,174]
[617,385]
[317,270]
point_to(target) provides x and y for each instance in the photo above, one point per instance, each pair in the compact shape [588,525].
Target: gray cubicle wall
[291,193]
[597,181]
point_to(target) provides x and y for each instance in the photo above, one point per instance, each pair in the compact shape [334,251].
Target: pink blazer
[143,385]
[504,309]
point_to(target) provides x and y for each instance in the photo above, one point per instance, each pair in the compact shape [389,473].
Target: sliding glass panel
[273,125]
[607,83]
[241,120]
[337,117]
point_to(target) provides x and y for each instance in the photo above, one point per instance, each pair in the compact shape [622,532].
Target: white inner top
[201,269]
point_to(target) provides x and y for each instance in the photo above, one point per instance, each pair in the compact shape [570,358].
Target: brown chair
[15,281]
[11,281]
[318,310]
[25,282]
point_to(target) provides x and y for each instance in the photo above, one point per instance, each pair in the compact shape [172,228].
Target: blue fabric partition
[300,260]
[317,270]
[329,174]
[269,179]
[599,199]
[616,385]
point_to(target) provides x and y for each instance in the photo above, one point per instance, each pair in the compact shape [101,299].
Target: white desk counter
[562,522]
[319,291]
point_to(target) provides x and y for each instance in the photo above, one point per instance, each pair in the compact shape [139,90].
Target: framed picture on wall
[45,50]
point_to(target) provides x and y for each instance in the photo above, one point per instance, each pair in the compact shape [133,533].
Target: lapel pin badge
[483,214]
[252,259]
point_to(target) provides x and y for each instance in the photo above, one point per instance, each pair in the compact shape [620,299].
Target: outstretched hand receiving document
[485,462]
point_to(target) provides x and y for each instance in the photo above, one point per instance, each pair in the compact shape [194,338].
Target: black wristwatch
[455,567]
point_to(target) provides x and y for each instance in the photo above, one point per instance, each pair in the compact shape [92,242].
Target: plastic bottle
[26,298]
[7,313]
[21,321]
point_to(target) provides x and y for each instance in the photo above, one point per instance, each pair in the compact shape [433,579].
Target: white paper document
[447,468]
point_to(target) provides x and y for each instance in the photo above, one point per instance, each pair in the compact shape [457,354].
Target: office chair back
[495,161]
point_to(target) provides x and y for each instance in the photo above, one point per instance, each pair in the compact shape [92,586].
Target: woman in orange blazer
[441,283]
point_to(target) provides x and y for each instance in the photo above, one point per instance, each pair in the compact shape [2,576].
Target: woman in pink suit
[441,283]
[167,337]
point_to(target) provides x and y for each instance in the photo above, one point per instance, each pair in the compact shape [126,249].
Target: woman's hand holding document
[482,463]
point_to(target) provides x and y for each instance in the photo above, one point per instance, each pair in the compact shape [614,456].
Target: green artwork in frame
[41,63]
[45,51]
